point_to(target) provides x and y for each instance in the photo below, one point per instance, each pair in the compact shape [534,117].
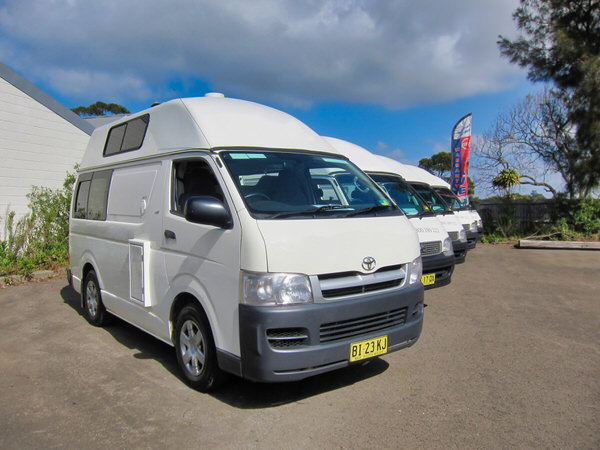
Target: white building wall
[37,148]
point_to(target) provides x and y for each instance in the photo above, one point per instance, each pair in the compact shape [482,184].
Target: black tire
[195,350]
[93,308]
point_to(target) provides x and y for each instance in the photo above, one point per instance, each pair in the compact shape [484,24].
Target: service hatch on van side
[233,232]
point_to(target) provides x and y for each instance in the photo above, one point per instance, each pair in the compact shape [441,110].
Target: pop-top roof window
[127,136]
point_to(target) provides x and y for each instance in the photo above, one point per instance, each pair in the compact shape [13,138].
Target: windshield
[280,184]
[432,198]
[451,199]
[402,193]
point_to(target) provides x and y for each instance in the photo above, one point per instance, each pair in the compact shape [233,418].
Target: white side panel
[133,188]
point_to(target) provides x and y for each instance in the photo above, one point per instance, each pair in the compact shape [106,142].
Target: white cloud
[78,83]
[392,53]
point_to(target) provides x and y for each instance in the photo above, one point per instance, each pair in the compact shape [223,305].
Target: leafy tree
[100,109]
[439,164]
[506,179]
[561,44]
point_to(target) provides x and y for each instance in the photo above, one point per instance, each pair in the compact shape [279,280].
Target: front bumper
[442,266]
[460,251]
[288,343]
[472,237]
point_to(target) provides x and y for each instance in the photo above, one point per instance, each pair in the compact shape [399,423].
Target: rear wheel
[196,352]
[93,308]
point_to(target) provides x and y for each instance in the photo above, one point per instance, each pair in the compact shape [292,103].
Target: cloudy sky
[390,75]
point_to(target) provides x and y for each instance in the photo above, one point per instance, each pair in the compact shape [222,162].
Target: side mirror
[207,210]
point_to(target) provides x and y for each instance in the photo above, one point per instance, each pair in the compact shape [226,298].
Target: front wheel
[196,352]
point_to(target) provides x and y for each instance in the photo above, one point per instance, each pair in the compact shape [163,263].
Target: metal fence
[525,214]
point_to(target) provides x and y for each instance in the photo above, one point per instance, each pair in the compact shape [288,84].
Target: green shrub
[39,240]
[586,218]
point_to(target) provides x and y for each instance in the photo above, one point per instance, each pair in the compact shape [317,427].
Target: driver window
[193,178]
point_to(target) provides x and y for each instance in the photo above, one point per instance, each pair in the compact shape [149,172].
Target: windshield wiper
[308,212]
[426,212]
[368,210]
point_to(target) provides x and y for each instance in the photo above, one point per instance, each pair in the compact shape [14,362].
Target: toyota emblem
[368,263]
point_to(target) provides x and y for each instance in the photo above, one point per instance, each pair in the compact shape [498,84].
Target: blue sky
[390,75]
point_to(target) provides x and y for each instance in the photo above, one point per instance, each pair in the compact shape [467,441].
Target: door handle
[170,234]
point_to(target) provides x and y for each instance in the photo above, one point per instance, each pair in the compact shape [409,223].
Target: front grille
[354,283]
[467,226]
[353,290]
[431,248]
[287,337]
[345,329]
[454,235]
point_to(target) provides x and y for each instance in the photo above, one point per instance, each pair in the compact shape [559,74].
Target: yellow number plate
[369,348]
[428,279]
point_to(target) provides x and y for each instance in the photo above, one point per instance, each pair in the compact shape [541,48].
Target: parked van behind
[442,187]
[434,201]
[437,252]
[217,226]
[470,219]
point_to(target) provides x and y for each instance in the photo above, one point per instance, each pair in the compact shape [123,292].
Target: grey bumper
[460,251]
[442,266]
[288,343]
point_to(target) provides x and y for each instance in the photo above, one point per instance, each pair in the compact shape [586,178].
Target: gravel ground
[509,357]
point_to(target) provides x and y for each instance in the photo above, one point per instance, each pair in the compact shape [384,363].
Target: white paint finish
[316,247]
[450,222]
[132,186]
[429,228]
[204,123]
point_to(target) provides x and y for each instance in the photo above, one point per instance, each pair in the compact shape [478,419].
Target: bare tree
[535,138]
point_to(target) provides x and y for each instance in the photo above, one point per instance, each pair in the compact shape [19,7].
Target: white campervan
[475,230]
[469,218]
[216,225]
[436,246]
[434,201]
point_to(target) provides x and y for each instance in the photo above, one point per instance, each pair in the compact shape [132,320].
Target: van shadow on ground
[237,392]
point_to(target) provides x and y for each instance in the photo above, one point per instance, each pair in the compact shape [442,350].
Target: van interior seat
[291,188]
[199,180]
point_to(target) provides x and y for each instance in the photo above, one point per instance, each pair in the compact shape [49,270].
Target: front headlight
[480,225]
[462,236]
[447,247]
[269,289]
[415,270]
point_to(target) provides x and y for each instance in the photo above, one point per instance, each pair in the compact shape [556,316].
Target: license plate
[428,278]
[369,348]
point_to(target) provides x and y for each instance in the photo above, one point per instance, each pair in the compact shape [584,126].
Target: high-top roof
[209,122]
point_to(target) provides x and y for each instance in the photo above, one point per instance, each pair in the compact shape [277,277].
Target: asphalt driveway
[509,357]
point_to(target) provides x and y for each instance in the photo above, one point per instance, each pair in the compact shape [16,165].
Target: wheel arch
[181,301]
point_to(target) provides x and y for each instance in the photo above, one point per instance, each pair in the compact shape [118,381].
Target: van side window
[192,178]
[92,195]
[81,197]
[127,136]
